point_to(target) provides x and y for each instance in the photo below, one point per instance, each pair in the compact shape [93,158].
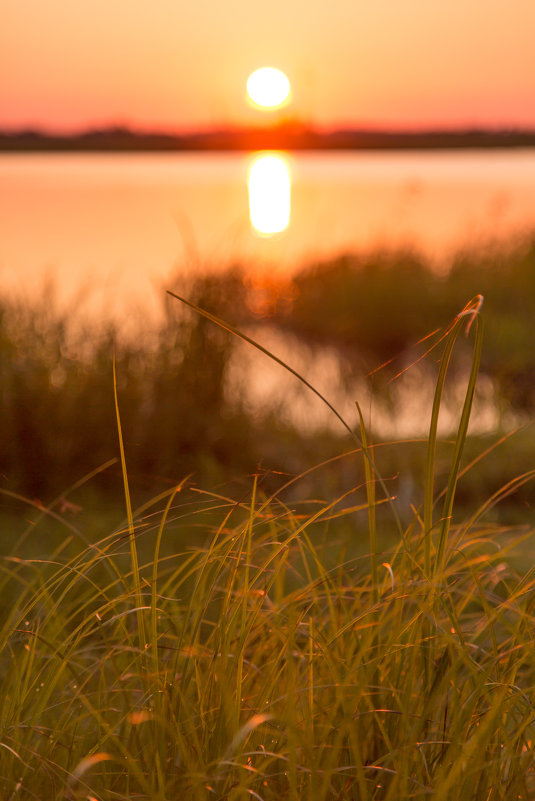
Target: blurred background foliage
[178,415]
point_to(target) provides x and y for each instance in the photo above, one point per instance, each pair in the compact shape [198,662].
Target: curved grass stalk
[240,335]
[131,530]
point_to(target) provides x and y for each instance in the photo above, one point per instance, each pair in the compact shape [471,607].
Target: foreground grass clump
[267,663]
[291,653]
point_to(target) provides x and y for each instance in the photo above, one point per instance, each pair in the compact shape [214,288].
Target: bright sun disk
[268,87]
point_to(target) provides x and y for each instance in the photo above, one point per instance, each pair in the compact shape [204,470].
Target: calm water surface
[119,226]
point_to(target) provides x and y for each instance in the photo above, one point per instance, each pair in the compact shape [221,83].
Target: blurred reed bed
[184,409]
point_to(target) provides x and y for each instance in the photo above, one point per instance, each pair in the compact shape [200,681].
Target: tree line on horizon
[287,135]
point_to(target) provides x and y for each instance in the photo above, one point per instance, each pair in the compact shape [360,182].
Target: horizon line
[284,135]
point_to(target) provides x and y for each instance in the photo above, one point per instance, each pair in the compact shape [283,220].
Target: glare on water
[120,226]
[269,194]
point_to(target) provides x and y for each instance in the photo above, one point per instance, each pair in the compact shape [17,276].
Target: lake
[119,226]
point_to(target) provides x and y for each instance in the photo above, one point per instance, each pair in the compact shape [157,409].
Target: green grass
[290,650]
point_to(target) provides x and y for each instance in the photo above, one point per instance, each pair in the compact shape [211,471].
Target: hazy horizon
[53,131]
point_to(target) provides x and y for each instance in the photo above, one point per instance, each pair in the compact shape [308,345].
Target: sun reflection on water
[269,194]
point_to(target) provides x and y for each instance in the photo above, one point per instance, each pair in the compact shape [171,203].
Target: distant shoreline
[283,137]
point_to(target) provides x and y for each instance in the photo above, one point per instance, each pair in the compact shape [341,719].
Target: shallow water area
[405,413]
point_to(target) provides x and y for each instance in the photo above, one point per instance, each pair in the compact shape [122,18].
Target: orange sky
[70,64]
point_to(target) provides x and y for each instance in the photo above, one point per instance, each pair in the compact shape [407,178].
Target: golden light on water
[269,194]
[268,88]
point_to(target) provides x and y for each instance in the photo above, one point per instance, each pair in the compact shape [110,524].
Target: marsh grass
[346,318]
[292,652]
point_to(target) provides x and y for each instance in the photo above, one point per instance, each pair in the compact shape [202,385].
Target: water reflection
[118,227]
[269,194]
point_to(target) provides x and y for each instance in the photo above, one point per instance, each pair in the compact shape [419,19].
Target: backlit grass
[289,651]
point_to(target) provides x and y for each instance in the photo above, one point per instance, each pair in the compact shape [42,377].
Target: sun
[268,88]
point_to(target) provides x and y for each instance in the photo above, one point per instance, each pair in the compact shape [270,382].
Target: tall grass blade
[459,447]
[470,311]
[370,496]
[227,327]
[432,445]
[131,529]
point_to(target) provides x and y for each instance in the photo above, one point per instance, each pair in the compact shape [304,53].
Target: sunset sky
[167,64]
